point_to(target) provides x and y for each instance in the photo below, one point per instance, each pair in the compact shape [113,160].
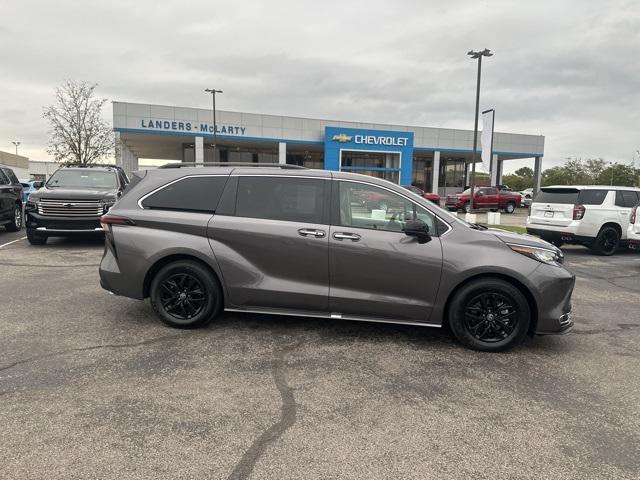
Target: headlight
[32,203]
[544,255]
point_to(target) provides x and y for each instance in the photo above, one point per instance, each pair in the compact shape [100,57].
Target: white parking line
[14,241]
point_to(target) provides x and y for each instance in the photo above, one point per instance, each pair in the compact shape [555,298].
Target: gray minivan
[279,239]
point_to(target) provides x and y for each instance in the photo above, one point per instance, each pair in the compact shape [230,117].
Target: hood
[78,193]
[520,238]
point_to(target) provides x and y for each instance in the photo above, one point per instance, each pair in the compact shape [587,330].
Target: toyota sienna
[279,239]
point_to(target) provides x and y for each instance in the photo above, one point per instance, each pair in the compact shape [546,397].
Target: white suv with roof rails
[596,216]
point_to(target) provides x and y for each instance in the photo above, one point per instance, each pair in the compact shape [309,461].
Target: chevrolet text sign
[377,140]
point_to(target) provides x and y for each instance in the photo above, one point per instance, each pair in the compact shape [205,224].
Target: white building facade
[434,159]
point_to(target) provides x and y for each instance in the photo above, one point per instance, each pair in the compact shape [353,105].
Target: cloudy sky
[569,70]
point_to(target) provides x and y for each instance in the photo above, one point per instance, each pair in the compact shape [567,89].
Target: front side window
[366,206]
[83,179]
[281,198]
[193,194]
[3,178]
[12,176]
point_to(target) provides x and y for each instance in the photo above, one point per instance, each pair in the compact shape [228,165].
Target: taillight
[578,211]
[634,213]
[107,220]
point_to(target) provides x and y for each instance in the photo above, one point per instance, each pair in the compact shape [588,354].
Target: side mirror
[479,194]
[417,228]
[38,184]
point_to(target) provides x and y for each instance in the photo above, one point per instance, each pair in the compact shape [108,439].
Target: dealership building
[434,159]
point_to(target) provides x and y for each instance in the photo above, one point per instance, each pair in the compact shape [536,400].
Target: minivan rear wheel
[490,315]
[607,241]
[184,294]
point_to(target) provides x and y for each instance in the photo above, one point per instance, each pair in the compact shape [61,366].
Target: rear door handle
[354,237]
[311,232]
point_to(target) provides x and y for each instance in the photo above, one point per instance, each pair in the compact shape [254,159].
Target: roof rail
[232,164]
[90,165]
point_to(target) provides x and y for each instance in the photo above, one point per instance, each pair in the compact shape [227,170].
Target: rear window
[570,196]
[193,194]
[557,195]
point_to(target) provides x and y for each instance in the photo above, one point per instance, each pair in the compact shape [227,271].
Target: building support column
[435,172]
[537,174]
[495,168]
[282,153]
[500,167]
[124,156]
[467,174]
[199,150]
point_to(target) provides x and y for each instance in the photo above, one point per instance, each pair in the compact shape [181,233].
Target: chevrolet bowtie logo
[342,138]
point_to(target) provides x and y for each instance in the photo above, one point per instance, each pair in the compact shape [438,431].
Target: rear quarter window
[193,194]
[592,197]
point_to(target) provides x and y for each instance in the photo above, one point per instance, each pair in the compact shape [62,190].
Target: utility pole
[213,92]
[476,55]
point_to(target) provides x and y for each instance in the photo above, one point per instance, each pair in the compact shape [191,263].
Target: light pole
[213,92]
[476,55]
[17,144]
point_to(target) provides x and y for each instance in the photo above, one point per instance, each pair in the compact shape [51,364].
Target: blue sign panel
[337,139]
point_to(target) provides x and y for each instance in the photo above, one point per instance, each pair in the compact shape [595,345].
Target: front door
[376,271]
[273,253]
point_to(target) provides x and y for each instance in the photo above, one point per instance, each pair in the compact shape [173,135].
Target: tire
[489,315]
[607,241]
[467,207]
[34,238]
[17,220]
[510,207]
[185,294]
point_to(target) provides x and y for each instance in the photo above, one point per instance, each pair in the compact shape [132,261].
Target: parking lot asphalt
[93,386]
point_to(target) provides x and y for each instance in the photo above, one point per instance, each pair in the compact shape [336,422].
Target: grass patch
[509,228]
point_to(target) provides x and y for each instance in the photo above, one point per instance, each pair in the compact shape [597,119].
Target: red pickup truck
[486,198]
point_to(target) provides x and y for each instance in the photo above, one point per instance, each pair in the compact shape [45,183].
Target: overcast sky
[568,70]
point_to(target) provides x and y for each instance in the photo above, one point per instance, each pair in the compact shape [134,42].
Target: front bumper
[553,299]
[62,226]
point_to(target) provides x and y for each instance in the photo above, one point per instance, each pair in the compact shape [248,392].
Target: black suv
[72,201]
[10,200]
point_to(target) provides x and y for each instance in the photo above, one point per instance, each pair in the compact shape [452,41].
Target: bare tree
[78,132]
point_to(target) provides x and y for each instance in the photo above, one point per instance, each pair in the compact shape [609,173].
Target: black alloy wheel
[490,317]
[489,314]
[182,296]
[607,241]
[185,294]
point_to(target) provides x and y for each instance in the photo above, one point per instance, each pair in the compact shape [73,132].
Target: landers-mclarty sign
[179,126]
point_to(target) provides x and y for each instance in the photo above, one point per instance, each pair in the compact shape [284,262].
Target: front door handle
[311,232]
[354,237]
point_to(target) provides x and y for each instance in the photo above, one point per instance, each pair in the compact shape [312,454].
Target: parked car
[527,196]
[10,200]
[595,216]
[633,232]
[72,201]
[290,241]
[432,197]
[485,198]
[27,189]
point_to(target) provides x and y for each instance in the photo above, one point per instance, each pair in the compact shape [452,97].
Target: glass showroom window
[374,164]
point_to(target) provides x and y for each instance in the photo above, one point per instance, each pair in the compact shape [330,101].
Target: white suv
[596,216]
[633,233]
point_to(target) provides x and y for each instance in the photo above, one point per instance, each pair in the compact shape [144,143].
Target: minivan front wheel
[185,294]
[489,315]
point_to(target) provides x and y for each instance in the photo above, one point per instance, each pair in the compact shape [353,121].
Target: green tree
[618,174]
[525,172]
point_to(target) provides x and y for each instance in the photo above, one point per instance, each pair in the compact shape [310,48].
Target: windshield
[83,179]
